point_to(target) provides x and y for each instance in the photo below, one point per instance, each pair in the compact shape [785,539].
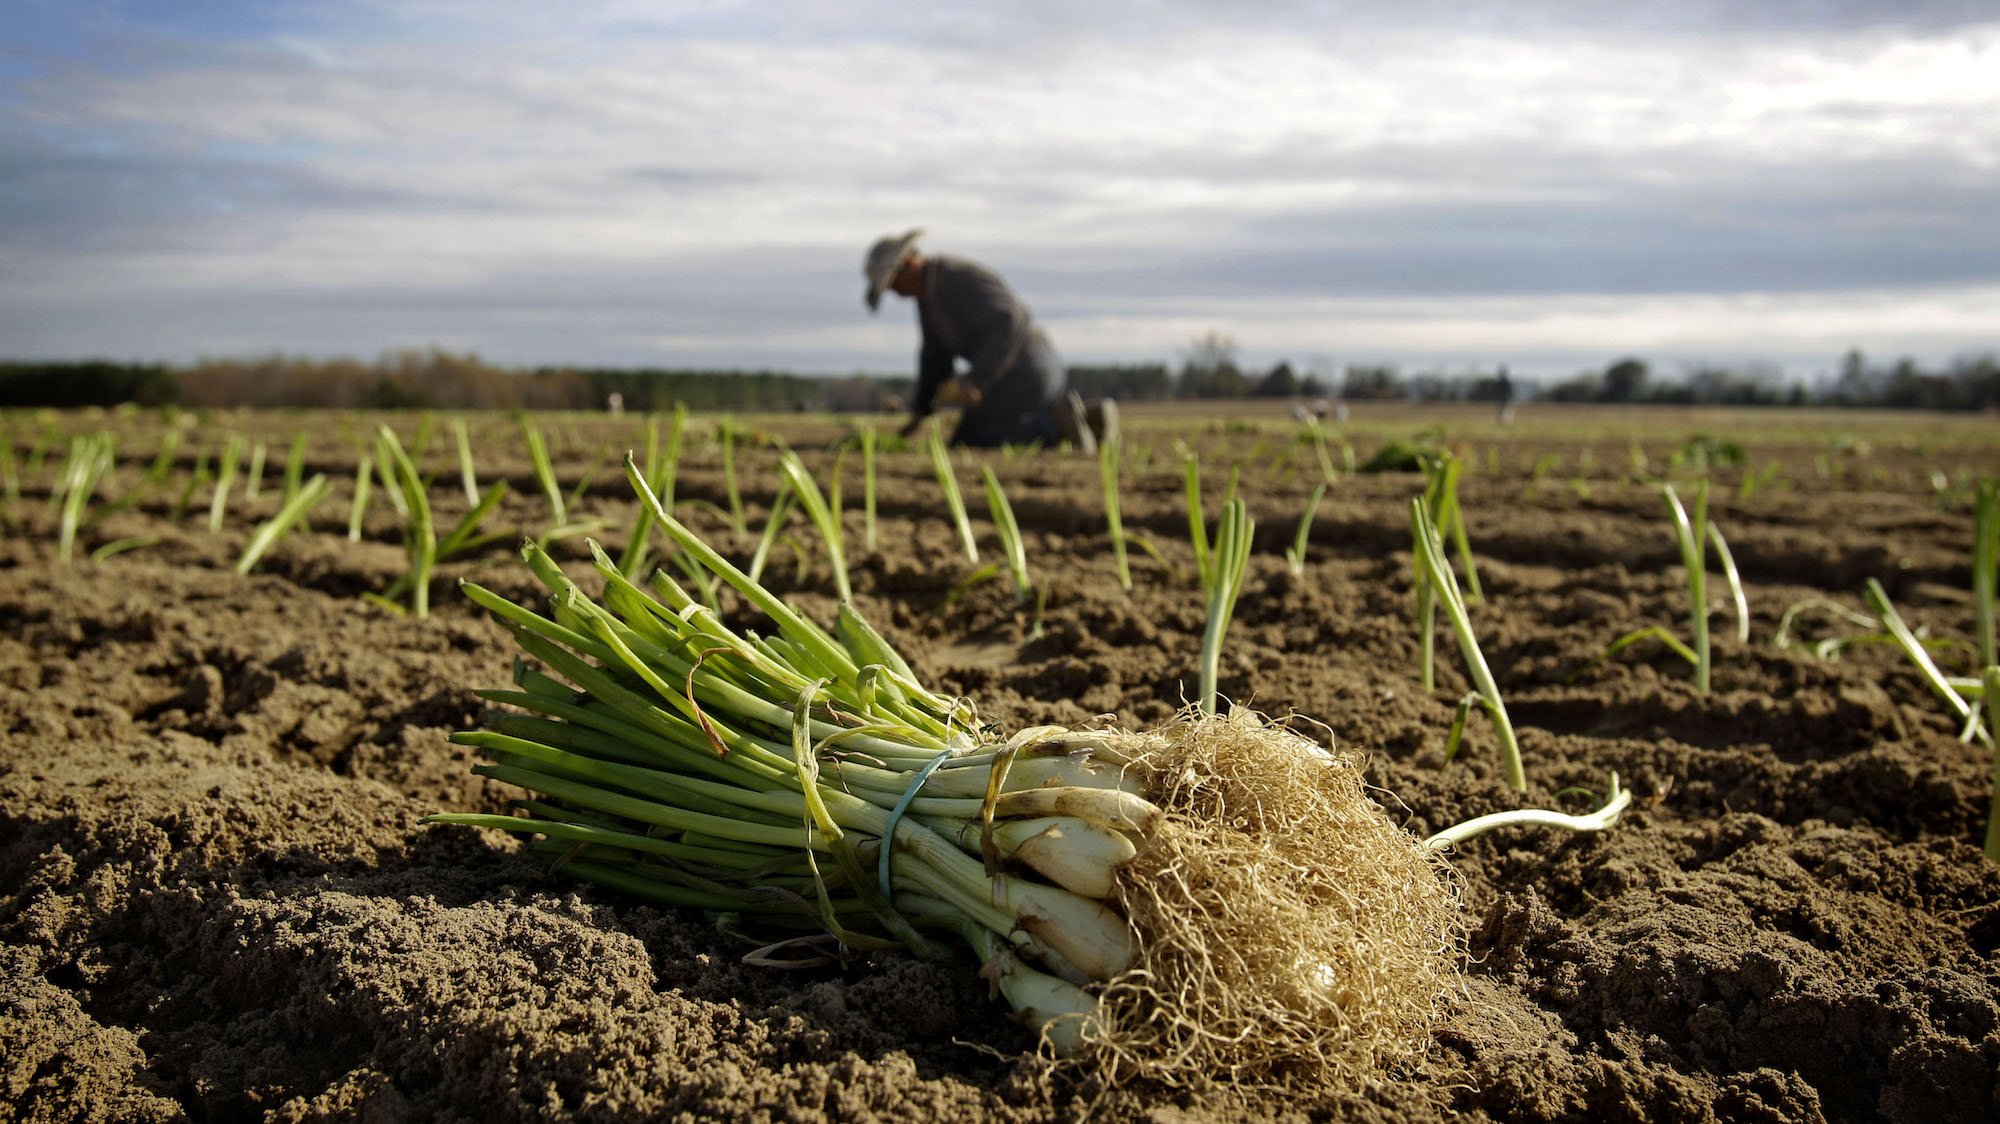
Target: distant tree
[1122,380]
[1281,382]
[1585,387]
[1371,382]
[1210,370]
[1625,380]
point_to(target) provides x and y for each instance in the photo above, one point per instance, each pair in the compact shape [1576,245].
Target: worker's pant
[1019,407]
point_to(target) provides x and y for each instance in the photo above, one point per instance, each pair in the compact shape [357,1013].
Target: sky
[1444,186]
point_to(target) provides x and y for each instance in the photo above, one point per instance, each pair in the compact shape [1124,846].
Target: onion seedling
[467,477]
[822,517]
[1441,472]
[291,513]
[1107,472]
[1893,623]
[725,435]
[1986,567]
[225,478]
[1009,531]
[661,467]
[1296,555]
[1692,535]
[253,481]
[1233,534]
[1438,575]
[545,473]
[90,457]
[295,465]
[1197,522]
[364,480]
[120,546]
[419,534]
[948,483]
[781,509]
[196,478]
[868,436]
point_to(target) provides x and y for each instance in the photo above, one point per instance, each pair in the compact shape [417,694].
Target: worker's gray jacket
[967,312]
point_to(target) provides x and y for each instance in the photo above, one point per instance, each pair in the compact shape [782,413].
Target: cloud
[588,184]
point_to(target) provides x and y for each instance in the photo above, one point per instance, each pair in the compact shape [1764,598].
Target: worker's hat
[885,257]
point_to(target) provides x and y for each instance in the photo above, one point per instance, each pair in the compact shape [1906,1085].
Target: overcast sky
[1437,184]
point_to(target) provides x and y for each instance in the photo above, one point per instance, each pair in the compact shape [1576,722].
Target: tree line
[438,379]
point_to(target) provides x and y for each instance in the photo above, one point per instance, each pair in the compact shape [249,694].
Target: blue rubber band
[896,815]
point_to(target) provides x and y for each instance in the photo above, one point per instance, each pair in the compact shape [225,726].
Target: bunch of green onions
[806,781]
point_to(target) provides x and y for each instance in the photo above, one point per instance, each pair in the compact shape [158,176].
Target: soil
[217,902]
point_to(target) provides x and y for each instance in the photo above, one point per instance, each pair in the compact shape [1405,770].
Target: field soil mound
[216,900]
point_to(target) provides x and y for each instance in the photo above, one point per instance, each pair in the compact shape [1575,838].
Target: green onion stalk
[953,500]
[225,478]
[90,458]
[468,477]
[806,780]
[1107,470]
[253,483]
[1441,473]
[1691,537]
[1486,694]
[662,465]
[1233,534]
[868,439]
[1009,530]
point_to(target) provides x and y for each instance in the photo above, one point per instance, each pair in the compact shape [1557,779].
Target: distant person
[1503,395]
[614,402]
[1018,389]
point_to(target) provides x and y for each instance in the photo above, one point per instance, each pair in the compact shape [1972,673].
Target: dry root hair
[1290,935]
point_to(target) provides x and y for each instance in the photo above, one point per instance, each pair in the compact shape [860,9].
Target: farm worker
[1019,391]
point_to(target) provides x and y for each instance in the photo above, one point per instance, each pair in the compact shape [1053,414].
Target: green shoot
[545,473]
[1197,522]
[1691,535]
[1010,533]
[195,480]
[419,534]
[1231,558]
[1441,472]
[868,488]
[1885,610]
[466,475]
[225,478]
[1735,581]
[1296,556]
[1985,562]
[662,465]
[89,459]
[781,509]
[1606,815]
[364,479]
[1783,637]
[389,488]
[120,546]
[295,465]
[725,433]
[293,512]
[253,483]
[605,452]
[1107,471]
[822,517]
[948,483]
[1430,558]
